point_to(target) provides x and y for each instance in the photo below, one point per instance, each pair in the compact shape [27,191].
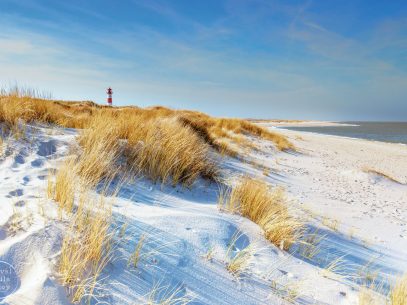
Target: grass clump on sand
[62,185]
[86,247]
[398,295]
[166,151]
[380,173]
[238,262]
[266,206]
[167,295]
[87,242]
[375,293]
[99,151]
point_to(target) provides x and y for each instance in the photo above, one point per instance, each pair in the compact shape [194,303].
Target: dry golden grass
[238,262]
[61,186]
[367,296]
[309,244]
[168,152]
[214,129]
[86,247]
[164,144]
[382,174]
[398,295]
[266,206]
[373,292]
[158,145]
[336,269]
[333,224]
[166,295]
[99,151]
[28,106]
[136,255]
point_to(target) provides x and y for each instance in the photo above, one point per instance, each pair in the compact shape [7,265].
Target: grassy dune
[164,144]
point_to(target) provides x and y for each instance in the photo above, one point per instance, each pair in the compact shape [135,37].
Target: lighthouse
[109,92]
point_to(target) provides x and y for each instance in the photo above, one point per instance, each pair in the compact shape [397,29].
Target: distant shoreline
[282,123]
[283,130]
[388,132]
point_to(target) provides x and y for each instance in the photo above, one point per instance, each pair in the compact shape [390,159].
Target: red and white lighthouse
[109,92]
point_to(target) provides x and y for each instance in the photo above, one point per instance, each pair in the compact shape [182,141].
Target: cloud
[305,71]
[14,46]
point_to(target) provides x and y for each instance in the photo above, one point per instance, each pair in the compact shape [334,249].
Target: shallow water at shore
[395,132]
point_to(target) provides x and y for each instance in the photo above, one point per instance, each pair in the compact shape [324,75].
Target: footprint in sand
[37,163]
[47,148]
[3,234]
[16,193]
[18,160]
[26,179]
[20,203]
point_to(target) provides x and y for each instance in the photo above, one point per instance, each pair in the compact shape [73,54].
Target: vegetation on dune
[165,145]
[398,295]
[86,247]
[214,129]
[266,206]
[167,151]
[380,173]
[375,293]
[238,262]
[87,242]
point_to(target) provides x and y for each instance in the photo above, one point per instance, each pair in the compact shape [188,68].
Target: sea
[395,132]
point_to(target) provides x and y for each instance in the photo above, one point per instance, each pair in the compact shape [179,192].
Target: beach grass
[166,145]
[398,295]
[264,205]
[383,174]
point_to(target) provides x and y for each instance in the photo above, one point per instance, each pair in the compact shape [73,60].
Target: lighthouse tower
[109,92]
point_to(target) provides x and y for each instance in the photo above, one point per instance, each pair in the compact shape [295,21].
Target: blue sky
[333,60]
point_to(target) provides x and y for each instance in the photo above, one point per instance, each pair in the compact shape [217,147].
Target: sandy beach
[339,178]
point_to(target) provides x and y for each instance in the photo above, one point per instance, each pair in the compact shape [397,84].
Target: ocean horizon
[392,132]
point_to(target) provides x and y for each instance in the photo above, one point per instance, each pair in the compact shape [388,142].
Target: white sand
[331,174]
[329,177]
[183,225]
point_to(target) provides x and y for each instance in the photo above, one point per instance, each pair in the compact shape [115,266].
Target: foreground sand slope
[186,246]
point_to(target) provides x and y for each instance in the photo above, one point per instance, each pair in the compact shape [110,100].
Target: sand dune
[187,238]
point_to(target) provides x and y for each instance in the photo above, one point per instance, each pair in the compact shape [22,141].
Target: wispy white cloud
[324,74]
